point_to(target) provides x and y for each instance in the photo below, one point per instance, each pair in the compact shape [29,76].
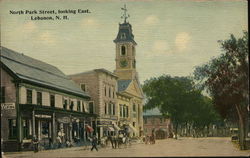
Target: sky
[173,36]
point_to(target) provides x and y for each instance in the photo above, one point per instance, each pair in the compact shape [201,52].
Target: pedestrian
[35,144]
[94,143]
[59,141]
[111,141]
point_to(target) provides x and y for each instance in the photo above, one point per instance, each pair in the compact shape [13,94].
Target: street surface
[169,147]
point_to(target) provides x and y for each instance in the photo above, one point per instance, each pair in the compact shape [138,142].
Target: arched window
[123,50]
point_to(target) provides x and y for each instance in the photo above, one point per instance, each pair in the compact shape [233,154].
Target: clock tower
[125,51]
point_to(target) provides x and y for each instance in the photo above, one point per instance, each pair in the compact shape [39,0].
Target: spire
[125,16]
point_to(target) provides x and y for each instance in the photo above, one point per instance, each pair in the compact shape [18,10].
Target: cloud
[28,27]
[160,47]
[47,38]
[151,20]
[182,40]
[89,22]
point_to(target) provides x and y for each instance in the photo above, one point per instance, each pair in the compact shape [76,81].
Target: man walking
[94,143]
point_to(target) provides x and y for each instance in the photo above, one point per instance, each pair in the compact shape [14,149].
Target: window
[133,124]
[124,111]
[134,107]
[78,106]
[83,108]
[123,50]
[113,109]
[113,94]
[110,105]
[71,105]
[91,107]
[123,36]
[52,100]
[133,50]
[109,92]
[134,64]
[105,108]
[120,110]
[65,104]
[39,98]
[26,133]
[105,91]
[12,129]
[2,99]
[83,87]
[29,96]
[127,111]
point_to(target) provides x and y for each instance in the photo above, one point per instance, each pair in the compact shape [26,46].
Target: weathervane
[125,16]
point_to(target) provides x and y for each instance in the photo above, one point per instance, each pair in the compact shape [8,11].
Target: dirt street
[169,147]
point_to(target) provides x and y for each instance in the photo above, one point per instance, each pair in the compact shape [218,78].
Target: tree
[178,98]
[226,79]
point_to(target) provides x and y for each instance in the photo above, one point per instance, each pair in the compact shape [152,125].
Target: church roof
[123,84]
[125,33]
[152,112]
[37,72]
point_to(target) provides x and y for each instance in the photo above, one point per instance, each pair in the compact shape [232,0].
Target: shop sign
[104,123]
[42,116]
[64,120]
[8,106]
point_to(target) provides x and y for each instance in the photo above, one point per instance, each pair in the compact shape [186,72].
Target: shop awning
[89,129]
[116,127]
[131,127]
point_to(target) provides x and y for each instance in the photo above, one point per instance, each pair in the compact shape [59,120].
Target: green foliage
[178,98]
[226,77]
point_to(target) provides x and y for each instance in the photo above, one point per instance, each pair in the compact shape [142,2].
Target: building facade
[102,86]
[38,100]
[155,123]
[118,96]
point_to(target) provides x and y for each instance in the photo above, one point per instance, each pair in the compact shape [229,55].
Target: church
[117,96]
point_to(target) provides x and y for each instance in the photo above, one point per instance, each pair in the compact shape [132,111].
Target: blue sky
[173,36]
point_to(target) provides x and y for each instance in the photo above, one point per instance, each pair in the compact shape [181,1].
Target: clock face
[123,63]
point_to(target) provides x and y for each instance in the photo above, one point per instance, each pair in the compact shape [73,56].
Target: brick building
[155,122]
[38,100]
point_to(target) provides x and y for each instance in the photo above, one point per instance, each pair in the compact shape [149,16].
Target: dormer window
[123,36]
[123,50]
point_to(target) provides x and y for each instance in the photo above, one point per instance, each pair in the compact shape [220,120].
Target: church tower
[125,50]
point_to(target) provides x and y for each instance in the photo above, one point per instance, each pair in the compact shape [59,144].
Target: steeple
[125,50]
[125,29]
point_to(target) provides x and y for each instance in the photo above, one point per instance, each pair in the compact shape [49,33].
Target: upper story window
[124,110]
[133,124]
[78,106]
[29,96]
[120,110]
[123,50]
[110,112]
[109,92]
[91,107]
[2,99]
[123,36]
[71,105]
[113,109]
[39,98]
[133,50]
[83,107]
[65,104]
[105,108]
[134,107]
[83,87]
[105,91]
[127,111]
[52,100]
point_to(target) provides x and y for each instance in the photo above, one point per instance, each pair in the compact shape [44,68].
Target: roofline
[18,79]
[106,71]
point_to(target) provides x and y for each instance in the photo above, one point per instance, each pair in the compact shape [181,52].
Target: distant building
[38,100]
[155,122]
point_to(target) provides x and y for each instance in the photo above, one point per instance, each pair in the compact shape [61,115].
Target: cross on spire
[125,16]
